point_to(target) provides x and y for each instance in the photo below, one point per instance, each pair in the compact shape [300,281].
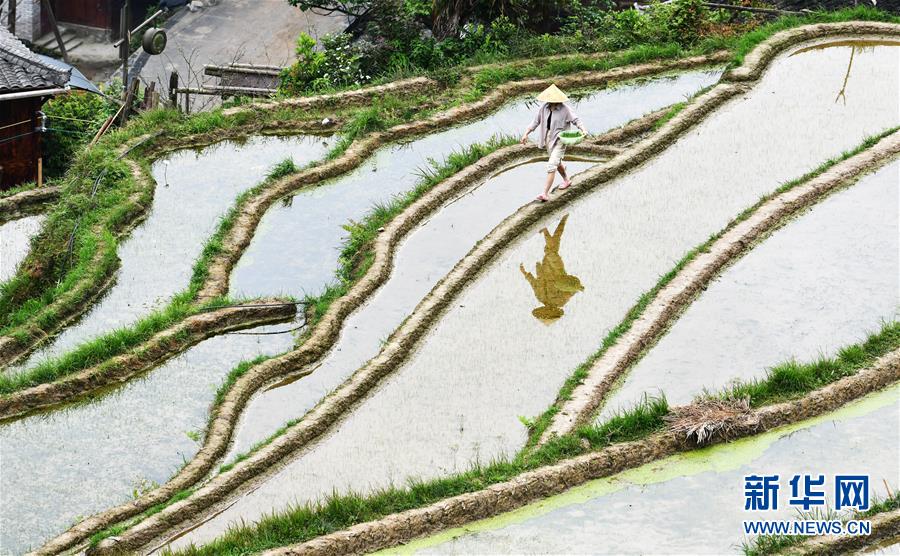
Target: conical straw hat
[552,94]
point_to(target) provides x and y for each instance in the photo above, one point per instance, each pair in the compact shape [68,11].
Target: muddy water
[83,459]
[489,360]
[15,238]
[692,503]
[295,248]
[194,189]
[419,264]
[824,281]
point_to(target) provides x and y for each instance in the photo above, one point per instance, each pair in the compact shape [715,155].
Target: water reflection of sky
[424,257]
[15,238]
[826,280]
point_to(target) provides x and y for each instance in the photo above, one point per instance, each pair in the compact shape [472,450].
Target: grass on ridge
[211,122]
[26,295]
[647,415]
[356,256]
[743,44]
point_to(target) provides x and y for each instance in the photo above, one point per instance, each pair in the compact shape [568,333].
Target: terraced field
[302,340]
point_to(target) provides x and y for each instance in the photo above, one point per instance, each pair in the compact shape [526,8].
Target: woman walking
[553,117]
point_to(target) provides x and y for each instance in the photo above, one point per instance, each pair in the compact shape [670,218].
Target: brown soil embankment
[161,347]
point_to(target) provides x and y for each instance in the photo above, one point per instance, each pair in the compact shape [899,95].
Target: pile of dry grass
[708,418]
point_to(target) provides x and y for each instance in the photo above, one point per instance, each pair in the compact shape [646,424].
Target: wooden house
[26,82]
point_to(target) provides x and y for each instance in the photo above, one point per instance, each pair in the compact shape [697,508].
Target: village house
[27,81]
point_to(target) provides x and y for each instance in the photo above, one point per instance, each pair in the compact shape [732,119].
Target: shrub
[395,42]
[686,21]
[342,61]
[624,28]
[72,121]
[683,22]
[587,18]
[308,67]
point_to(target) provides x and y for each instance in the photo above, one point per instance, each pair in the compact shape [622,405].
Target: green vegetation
[121,527]
[54,267]
[72,121]
[383,113]
[46,275]
[183,305]
[401,38]
[233,376]
[783,382]
[18,189]
[103,348]
[373,120]
[301,523]
[357,255]
[393,43]
[888,504]
[671,113]
[50,273]
[743,44]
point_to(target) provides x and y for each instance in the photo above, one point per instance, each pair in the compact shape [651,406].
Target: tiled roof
[22,70]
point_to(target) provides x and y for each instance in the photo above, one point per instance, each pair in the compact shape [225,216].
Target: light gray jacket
[563,116]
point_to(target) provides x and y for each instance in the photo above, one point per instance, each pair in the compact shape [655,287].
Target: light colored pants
[557,151]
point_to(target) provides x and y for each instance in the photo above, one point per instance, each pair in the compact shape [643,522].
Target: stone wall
[28,18]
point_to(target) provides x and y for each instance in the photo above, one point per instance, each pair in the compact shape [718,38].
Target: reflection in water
[856,46]
[842,94]
[553,286]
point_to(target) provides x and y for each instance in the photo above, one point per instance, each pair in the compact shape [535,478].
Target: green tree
[354,8]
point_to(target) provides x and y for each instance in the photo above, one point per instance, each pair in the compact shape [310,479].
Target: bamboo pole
[55,28]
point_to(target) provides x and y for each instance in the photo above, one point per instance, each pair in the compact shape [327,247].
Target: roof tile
[22,70]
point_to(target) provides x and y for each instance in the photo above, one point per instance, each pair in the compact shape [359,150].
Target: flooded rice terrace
[15,239]
[194,189]
[428,252]
[424,257]
[493,358]
[84,458]
[826,280]
[668,504]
